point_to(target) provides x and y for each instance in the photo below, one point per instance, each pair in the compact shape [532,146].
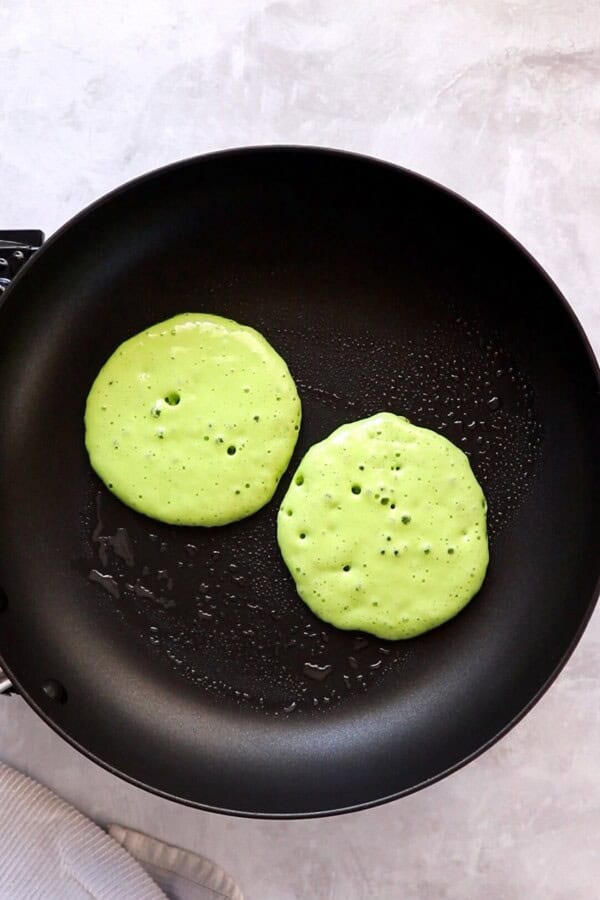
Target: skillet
[182,659]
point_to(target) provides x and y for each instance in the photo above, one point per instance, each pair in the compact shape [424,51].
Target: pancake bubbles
[193,421]
[383,528]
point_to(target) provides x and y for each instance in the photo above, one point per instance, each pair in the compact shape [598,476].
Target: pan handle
[15,249]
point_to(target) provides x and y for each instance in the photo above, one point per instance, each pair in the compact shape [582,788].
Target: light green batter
[383,528]
[193,421]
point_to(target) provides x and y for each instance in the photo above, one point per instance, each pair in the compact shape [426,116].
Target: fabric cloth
[181,874]
[50,851]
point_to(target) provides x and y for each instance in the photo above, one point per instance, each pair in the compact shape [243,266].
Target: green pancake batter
[383,528]
[193,421]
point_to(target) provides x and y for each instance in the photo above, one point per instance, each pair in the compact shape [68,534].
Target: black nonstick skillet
[182,659]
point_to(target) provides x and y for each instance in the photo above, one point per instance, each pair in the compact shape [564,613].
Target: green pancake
[383,528]
[193,421]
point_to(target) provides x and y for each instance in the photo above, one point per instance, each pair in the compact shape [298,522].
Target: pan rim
[586,347]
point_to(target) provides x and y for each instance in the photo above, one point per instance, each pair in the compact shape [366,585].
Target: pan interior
[190,664]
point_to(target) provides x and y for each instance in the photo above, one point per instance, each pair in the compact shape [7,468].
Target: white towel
[49,851]
[182,875]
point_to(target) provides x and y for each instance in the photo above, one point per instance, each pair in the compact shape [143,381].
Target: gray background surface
[498,100]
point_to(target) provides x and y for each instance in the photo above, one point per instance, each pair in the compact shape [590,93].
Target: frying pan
[182,658]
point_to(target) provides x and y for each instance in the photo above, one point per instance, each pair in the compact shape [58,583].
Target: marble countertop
[498,100]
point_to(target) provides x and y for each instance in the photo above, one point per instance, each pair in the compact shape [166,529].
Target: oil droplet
[317,672]
[122,546]
[105,581]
